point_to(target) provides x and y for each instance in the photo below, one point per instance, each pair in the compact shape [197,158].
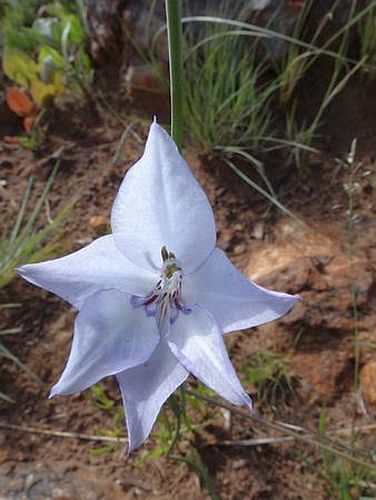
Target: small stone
[99,223]
[226,419]
[30,481]
[221,191]
[226,240]
[355,492]
[239,249]
[143,76]
[258,231]
[368,382]
[239,464]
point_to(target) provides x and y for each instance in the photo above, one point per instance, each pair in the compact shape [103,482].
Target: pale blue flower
[155,297]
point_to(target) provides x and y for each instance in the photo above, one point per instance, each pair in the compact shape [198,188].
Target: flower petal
[160,203]
[110,336]
[82,273]
[195,339]
[145,389]
[234,301]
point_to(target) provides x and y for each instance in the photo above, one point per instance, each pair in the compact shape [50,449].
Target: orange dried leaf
[18,102]
[28,124]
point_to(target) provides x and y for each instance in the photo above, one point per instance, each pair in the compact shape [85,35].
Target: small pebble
[99,223]
[239,249]
[30,481]
[239,464]
[368,382]
[258,231]
[220,191]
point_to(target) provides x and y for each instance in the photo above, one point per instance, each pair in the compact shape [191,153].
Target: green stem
[174,31]
[178,407]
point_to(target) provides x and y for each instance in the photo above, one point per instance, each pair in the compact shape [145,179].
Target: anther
[164,254]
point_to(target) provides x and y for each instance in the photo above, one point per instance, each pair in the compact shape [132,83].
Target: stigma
[163,302]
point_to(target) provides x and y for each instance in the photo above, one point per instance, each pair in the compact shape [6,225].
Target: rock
[292,244]
[315,264]
[368,382]
[333,377]
[53,481]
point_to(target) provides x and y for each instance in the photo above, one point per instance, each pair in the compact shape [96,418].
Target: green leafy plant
[183,416]
[44,55]
[99,398]
[344,480]
[47,46]
[180,422]
[271,375]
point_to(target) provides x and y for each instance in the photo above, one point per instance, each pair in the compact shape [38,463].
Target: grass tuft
[271,375]
[26,242]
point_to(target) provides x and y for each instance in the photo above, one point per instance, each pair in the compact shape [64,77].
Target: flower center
[163,301]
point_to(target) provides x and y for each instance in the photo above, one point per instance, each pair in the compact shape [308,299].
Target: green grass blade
[264,193]
[6,398]
[11,331]
[21,212]
[7,354]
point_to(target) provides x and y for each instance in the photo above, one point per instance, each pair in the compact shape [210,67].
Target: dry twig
[63,434]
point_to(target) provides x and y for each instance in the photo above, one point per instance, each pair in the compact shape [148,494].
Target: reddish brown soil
[317,337]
